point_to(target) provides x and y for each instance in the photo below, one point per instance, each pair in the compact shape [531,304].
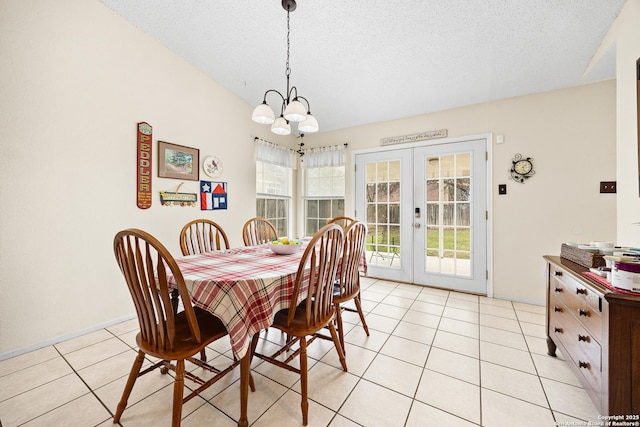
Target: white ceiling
[364,61]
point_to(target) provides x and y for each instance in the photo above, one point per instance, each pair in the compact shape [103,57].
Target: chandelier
[291,109]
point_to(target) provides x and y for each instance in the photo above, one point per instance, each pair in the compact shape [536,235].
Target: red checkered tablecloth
[244,287]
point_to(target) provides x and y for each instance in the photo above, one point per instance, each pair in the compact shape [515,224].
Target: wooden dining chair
[257,231]
[342,221]
[197,236]
[202,235]
[164,334]
[347,287]
[316,273]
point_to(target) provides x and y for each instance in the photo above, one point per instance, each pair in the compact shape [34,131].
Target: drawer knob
[557,309]
[557,330]
[580,291]
[582,312]
[584,365]
[558,289]
[557,273]
[584,338]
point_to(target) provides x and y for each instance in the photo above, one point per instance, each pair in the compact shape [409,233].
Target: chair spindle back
[317,273]
[202,235]
[257,231]
[354,244]
[144,261]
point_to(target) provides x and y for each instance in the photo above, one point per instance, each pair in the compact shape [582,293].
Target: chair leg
[303,381]
[359,307]
[254,344]
[175,297]
[339,327]
[336,343]
[133,375]
[203,355]
[178,390]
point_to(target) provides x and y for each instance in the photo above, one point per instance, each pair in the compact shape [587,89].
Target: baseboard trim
[53,341]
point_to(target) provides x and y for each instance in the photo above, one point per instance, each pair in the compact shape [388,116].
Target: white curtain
[324,156]
[268,152]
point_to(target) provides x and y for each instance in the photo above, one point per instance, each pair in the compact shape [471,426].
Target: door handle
[416,225]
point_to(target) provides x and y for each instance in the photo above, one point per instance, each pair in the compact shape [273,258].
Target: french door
[426,212]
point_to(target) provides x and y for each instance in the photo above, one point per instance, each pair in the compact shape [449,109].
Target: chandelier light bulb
[281,127]
[295,111]
[263,114]
[309,125]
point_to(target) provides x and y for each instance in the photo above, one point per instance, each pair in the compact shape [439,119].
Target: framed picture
[178,161]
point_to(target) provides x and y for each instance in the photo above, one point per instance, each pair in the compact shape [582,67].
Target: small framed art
[178,161]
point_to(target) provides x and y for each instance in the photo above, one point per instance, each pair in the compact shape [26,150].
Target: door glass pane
[383,193]
[371,214]
[448,214]
[383,218]
[447,168]
[462,189]
[394,214]
[433,167]
[463,214]
[382,210]
[463,164]
[433,190]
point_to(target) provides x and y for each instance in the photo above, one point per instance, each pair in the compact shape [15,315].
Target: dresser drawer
[584,350]
[581,300]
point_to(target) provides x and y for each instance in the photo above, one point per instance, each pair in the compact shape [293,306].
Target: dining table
[245,288]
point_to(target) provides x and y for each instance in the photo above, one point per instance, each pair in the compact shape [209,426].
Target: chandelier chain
[288,70]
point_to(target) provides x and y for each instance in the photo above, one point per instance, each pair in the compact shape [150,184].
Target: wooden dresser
[598,332]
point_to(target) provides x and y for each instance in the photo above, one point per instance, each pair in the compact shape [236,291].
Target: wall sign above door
[422,136]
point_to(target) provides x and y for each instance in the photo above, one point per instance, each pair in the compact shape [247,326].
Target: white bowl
[281,249]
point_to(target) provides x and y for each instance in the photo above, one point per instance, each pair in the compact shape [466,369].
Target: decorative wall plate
[212,166]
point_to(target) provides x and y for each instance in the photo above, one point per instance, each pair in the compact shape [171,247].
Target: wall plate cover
[607,186]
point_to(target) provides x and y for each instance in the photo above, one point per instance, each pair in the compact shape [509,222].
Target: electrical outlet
[502,188]
[607,186]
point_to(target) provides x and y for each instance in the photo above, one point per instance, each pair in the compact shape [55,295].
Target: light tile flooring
[434,358]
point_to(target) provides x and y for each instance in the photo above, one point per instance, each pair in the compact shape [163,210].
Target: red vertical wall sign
[143,183]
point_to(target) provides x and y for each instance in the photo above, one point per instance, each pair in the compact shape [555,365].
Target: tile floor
[434,358]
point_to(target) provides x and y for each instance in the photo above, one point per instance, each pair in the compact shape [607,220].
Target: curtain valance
[325,156]
[268,152]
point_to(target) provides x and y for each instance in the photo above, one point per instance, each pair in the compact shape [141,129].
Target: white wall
[570,134]
[626,32]
[76,78]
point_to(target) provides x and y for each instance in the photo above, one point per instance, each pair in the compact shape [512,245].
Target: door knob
[416,225]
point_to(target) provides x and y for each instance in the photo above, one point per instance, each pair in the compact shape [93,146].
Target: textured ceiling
[364,61]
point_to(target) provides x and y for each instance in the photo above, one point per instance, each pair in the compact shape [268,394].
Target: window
[273,198]
[324,196]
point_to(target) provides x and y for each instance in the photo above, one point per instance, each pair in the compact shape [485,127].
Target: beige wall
[626,35]
[570,134]
[78,78]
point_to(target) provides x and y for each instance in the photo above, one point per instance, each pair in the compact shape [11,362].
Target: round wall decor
[212,166]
